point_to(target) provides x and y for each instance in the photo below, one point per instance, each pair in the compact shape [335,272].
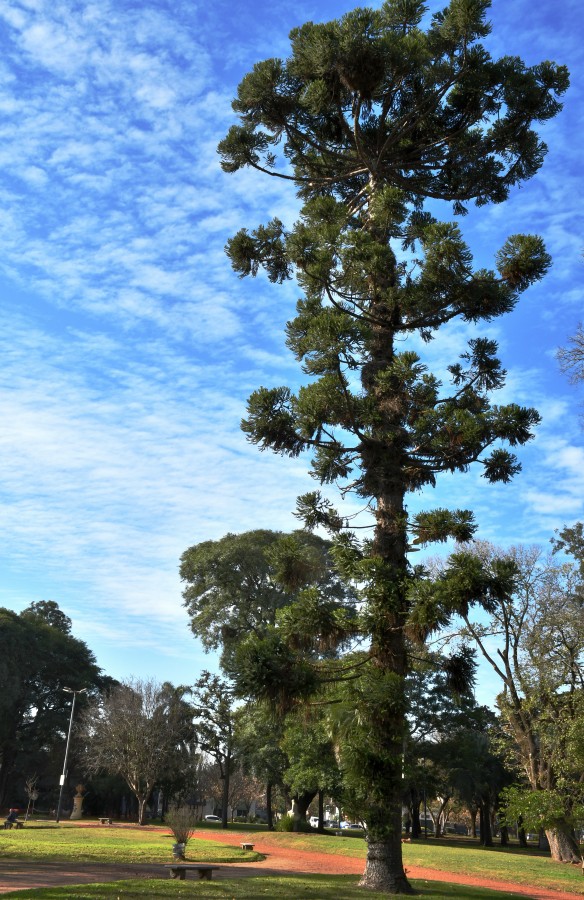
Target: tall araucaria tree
[370,117]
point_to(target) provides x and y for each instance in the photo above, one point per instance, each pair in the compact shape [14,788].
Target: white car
[212,818]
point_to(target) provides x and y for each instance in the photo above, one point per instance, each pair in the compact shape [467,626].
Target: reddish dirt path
[284,860]
[16,875]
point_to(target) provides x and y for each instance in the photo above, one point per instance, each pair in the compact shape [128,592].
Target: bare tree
[533,639]
[139,732]
[571,358]
[244,789]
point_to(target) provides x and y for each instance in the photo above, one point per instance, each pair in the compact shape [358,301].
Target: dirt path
[18,875]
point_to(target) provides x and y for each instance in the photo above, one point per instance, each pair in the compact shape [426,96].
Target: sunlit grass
[512,864]
[313,887]
[77,843]
[110,844]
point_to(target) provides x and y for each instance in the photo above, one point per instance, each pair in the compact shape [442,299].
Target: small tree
[533,639]
[138,731]
[182,821]
[215,725]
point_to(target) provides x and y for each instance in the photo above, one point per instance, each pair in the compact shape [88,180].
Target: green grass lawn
[314,887]
[68,841]
[72,841]
[512,864]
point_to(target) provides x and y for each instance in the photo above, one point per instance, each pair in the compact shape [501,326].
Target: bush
[182,822]
[286,823]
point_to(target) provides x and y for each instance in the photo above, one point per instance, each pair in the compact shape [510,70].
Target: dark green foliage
[370,117]
[38,658]
[48,611]
[237,586]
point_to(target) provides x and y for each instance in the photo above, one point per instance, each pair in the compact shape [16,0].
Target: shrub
[286,823]
[182,822]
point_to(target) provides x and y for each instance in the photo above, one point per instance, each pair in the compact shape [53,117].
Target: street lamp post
[64,775]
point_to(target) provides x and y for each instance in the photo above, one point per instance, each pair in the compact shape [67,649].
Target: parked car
[212,818]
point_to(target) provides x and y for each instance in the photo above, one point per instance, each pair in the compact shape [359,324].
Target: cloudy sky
[128,347]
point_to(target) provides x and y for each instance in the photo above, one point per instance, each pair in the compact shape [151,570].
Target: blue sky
[128,347]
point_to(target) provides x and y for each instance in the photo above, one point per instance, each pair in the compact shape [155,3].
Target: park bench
[179,870]
[245,846]
[16,824]
[105,820]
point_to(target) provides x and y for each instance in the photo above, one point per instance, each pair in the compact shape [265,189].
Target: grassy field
[71,841]
[454,855]
[48,842]
[315,887]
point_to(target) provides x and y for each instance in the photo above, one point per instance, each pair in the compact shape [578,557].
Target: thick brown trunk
[381,872]
[563,845]
[384,869]
[299,809]
[383,463]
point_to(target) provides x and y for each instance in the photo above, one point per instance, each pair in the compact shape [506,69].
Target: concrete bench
[245,846]
[105,820]
[179,870]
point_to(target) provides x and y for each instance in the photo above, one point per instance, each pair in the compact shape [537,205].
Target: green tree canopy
[371,116]
[237,585]
[38,658]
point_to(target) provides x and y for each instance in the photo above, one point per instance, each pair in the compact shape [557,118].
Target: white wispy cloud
[129,347]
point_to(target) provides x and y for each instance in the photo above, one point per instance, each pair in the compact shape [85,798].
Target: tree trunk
[440,819]
[504,836]
[299,808]
[269,806]
[563,845]
[415,812]
[473,822]
[384,868]
[225,797]
[142,801]
[485,821]
[8,757]
[321,810]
